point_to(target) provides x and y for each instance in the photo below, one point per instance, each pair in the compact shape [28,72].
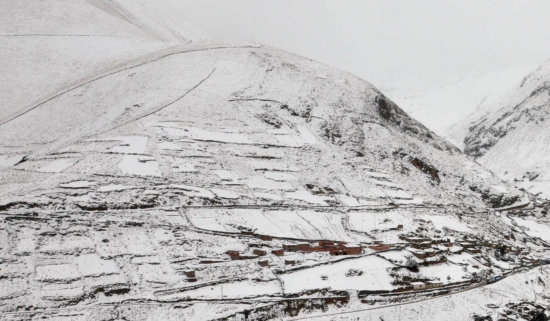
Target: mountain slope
[340,109]
[206,158]
[203,181]
[512,138]
[47,46]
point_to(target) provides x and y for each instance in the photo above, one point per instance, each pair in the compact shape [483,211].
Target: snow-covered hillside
[248,89]
[181,180]
[511,136]
[48,46]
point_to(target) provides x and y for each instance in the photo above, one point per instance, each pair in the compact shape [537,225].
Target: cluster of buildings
[425,248]
[334,248]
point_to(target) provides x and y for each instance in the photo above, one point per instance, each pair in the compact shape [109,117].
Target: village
[287,256]
[152,174]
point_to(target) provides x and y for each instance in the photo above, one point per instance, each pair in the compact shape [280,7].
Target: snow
[459,96]
[81,22]
[225,193]
[261,182]
[58,165]
[375,276]
[11,288]
[268,196]
[348,200]
[522,202]
[130,145]
[154,274]
[60,272]
[295,224]
[389,220]
[200,134]
[499,189]
[446,272]
[447,221]
[398,257]
[458,306]
[273,166]
[280,177]
[412,201]
[307,136]
[139,165]
[509,135]
[226,175]
[78,184]
[385,184]
[398,194]
[288,140]
[91,265]
[137,243]
[162,20]
[194,191]
[235,290]
[69,244]
[373,174]
[540,188]
[168,146]
[462,258]
[308,197]
[183,166]
[115,188]
[142,119]
[534,228]
[74,46]
[385,220]
[9,160]
[27,242]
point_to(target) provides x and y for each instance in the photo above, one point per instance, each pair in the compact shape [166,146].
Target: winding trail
[147,59]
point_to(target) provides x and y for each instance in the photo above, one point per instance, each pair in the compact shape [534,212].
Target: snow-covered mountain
[439,104]
[511,136]
[181,180]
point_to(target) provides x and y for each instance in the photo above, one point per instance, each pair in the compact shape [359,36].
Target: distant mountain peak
[513,137]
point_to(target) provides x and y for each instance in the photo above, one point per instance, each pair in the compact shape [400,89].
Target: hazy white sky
[388,40]
[401,46]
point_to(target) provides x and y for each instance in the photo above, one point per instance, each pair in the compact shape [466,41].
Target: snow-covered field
[534,228]
[484,301]
[374,275]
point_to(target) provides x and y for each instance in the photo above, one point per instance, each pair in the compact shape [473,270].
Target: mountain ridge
[512,137]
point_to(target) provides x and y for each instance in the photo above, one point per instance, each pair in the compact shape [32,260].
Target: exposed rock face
[495,200]
[426,168]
